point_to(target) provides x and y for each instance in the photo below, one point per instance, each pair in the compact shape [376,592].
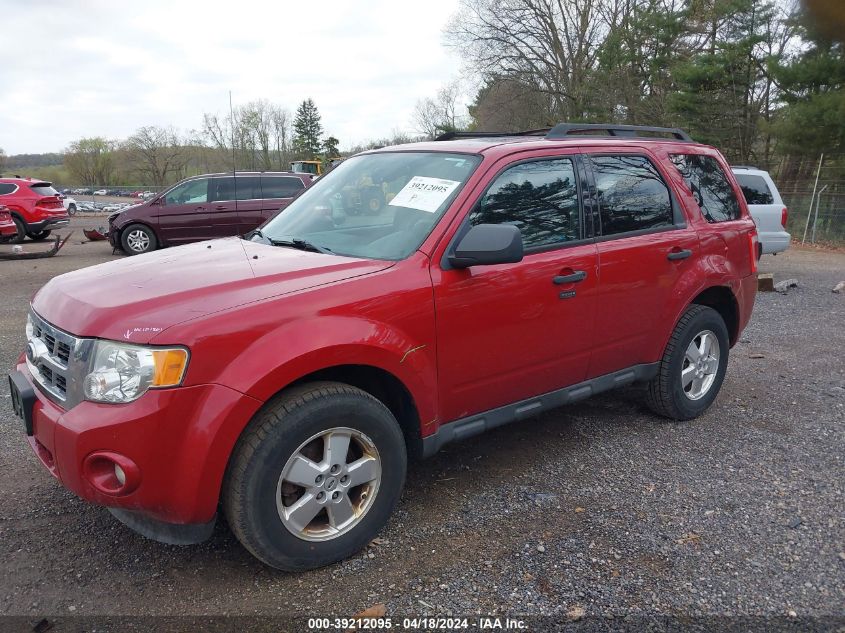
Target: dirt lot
[599,505]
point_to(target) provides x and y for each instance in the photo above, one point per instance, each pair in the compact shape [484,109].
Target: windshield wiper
[301,244]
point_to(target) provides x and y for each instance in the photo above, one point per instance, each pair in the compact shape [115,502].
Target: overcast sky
[77,68]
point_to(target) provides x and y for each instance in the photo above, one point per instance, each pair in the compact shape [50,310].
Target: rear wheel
[37,236]
[137,238]
[693,366]
[71,209]
[315,476]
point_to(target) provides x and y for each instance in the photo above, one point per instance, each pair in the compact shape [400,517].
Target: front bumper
[180,439]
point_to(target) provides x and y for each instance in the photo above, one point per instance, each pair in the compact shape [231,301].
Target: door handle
[578,275]
[676,255]
[220,207]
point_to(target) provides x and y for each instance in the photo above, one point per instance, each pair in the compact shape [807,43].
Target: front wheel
[71,209]
[137,238]
[693,366]
[315,476]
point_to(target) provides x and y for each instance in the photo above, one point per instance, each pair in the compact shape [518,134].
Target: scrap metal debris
[21,254]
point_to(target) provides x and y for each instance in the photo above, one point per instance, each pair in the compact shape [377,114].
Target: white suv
[766,207]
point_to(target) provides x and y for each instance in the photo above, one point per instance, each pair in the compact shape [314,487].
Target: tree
[158,154]
[504,104]
[307,130]
[813,90]
[433,117]
[551,44]
[260,132]
[90,161]
[331,147]
[2,160]
[723,90]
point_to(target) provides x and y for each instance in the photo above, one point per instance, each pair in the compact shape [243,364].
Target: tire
[684,397]
[20,236]
[136,239]
[257,493]
[71,209]
[39,235]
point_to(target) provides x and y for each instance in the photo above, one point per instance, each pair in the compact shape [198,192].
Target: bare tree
[435,116]
[260,131]
[2,160]
[552,44]
[158,153]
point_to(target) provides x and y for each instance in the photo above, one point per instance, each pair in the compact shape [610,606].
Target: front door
[184,212]
[511,331]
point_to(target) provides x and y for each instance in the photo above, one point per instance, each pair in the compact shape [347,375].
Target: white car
[766,207]
[101,192]
[70,204]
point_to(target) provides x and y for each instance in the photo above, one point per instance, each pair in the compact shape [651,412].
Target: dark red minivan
[205,207]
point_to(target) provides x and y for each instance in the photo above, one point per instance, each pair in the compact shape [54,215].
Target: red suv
[204,207]
[286,380]
[35,206]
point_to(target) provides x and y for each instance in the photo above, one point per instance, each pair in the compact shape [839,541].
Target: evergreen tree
[331,147]
[813,89]
[307,130]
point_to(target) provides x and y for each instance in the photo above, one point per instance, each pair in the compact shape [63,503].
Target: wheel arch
[723,301]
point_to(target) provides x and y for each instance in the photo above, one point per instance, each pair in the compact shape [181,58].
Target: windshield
[375,206]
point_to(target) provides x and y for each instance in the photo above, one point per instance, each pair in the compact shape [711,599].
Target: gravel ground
[599,508]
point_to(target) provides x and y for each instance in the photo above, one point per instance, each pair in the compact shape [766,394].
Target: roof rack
[563,130]
[450,136]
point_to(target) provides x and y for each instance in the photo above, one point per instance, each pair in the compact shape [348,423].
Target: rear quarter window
[7,188]
[280,186]
[709,185]
[755,189]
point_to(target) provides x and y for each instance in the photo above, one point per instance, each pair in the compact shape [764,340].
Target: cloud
[102,68]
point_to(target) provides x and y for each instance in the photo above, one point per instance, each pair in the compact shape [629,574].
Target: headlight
[123,373]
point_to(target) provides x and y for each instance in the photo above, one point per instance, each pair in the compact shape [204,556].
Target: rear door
[511,331]
[644,247]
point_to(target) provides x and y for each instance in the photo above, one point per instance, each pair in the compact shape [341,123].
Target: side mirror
[486,244]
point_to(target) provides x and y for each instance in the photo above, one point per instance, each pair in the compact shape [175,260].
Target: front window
[539,197]
[377,206]
[191,192]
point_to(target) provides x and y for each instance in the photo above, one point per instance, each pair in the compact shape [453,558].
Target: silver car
[766,207]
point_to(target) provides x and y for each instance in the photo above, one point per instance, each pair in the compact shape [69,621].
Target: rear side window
[631,194]
[709,186]
[755,189]
[540,198]
[249,188]
[7,188]
[280,187]
[44,189]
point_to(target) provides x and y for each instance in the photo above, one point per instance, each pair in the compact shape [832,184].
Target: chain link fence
[819,218]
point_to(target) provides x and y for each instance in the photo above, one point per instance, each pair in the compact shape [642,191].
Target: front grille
[48,355]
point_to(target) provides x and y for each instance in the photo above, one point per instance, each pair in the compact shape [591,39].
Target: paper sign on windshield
[423,193]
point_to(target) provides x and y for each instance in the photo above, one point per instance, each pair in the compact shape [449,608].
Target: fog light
[120,475]
[111,473]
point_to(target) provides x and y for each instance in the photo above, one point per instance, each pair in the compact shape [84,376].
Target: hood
[135,298]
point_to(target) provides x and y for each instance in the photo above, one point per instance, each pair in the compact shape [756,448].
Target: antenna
[234,174]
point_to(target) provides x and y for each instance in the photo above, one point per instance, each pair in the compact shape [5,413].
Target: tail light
[753,251]
[50,202]
[784,216]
